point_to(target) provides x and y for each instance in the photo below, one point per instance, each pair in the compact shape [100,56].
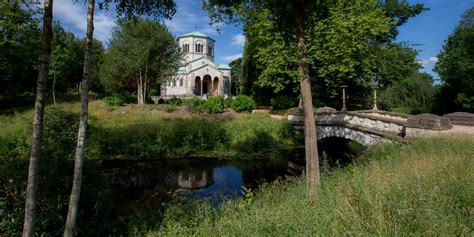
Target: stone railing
[382,123]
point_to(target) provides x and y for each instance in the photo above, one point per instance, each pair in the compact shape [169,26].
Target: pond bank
[423,188]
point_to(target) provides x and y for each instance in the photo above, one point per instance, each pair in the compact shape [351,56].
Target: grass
[150,131]
[425,188]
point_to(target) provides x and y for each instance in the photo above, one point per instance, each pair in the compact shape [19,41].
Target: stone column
[212,86]
[201,85]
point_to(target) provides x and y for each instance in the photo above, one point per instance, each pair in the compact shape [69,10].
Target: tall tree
[292,19]
[456,67]
[142,53]
[20,48]
[31,189]
[127,9]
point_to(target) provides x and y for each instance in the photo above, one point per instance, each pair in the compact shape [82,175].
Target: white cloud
[428,62]
[75,15]
[189,18]
[238,40]
[230,58]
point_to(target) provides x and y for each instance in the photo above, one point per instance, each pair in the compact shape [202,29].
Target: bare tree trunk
[31,188]
[54,93]
[310,137]
[140,89]
[70,229]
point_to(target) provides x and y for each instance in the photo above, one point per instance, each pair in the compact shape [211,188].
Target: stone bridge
[369,127]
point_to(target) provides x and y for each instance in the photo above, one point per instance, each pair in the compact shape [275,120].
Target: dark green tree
[67,64]
[236,66]
[142,54]
[20,41]
[456,68]
[413,95]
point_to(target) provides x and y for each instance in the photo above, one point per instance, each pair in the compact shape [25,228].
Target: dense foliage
[243,103]
[351,44]
[142,54]
[456,67]
[19,54]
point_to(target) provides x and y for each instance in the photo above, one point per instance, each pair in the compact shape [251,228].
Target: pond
[138,187]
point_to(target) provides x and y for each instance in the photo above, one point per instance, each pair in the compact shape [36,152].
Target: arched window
[209,50]
[199,48]
[185,48]
[174,83]
[181,82]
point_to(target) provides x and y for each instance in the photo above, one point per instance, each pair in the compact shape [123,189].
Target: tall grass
[425,188]
[144,132]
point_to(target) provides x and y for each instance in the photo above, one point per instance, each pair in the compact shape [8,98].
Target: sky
[425,32]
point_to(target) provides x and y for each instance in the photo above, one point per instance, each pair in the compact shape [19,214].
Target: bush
[113,101]
[283,102]
[175,101]
[196,103]
[170,108]
[60,132]
[243,103]
[214,105]
[228,102]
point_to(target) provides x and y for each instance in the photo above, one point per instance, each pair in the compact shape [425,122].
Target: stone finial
[428,121]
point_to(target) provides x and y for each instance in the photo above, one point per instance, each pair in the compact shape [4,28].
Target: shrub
[283,102]
[113,101]
[60,132]
[170,108]
[214,105]
[243,103]
[175,101]
[228,102]
[196,103]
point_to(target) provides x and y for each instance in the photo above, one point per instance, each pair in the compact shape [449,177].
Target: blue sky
[426,32]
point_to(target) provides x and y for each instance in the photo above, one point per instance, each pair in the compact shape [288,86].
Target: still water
[135,187]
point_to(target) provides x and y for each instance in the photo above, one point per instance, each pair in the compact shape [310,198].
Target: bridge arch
[365,139]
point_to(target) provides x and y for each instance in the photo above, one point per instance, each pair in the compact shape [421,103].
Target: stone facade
[198,74]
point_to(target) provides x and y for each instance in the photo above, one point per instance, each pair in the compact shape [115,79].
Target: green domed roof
[195,34]
[224,66]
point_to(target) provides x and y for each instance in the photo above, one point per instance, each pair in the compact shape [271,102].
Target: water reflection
[134,187]
[194,179]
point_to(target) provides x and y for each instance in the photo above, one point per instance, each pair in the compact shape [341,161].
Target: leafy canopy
[139,48]
[456,66]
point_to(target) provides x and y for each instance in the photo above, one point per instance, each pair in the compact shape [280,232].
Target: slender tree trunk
[54,93]
[310,137]
[70,229]
[140,89]
[31,188]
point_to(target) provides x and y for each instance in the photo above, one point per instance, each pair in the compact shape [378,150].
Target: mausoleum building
[198,74]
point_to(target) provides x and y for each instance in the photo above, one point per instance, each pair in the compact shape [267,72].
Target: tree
[291,18]
[399,11]
[412,95]
[142,53]
[236,66]
[128,9]
[30,203]
[456,67]
[66,61]
[20,40]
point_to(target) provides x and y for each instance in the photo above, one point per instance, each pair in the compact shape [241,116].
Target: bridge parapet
[371,126]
